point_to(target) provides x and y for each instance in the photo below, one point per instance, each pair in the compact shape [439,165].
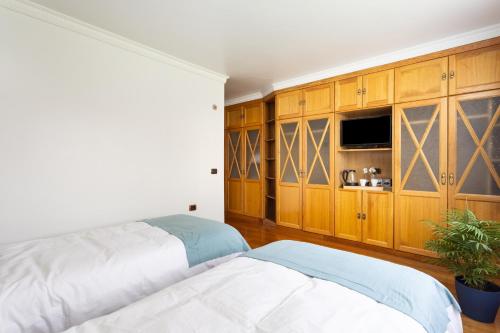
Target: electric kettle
[349,177]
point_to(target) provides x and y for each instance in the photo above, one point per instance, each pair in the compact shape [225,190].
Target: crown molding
[246,98]
[58,19]
[473,36]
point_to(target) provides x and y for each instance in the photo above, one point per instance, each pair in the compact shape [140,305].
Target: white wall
[92,134]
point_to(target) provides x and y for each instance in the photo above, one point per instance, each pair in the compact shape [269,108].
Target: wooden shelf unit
[270,165]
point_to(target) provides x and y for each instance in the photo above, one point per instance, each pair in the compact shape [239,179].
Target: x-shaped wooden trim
[253,147]
[289,152]
[479,146]
[234,149]
[419,148]
[317,148]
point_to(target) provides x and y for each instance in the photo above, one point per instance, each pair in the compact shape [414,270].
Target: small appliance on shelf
[349,177]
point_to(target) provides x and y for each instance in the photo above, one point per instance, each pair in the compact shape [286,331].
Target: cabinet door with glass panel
[317,187]
[252,175]
[234,170]
[420,171]
[289,173]
[474,153]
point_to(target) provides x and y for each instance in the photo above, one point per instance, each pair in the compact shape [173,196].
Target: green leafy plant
[467,246]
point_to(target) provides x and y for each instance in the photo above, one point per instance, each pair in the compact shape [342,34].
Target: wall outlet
[192,207]
[213,171]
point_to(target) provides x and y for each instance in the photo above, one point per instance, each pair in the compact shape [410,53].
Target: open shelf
[270,157]
[363,149]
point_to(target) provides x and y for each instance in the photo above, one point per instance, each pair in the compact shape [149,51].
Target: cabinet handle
[443,76]
[452,74]
[364,216]
[359,92]
[358,216]
[443,178]
[451,179]
[364,91]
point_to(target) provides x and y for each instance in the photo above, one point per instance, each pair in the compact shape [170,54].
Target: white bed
[49,285]
[249,295]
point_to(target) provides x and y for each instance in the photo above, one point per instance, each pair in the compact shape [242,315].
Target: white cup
[374,181]
[363,182]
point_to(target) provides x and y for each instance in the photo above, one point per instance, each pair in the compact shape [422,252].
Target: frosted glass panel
[431,148]
[253,154]
[479,180]
[465,147]
[492,147]
[419,118]
[480,112]
[407,149]
[288,138]
[419,179]
[315,170]
[234,157]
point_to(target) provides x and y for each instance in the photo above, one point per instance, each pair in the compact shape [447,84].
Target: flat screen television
[373,132]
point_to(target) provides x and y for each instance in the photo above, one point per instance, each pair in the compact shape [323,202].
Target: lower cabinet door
[252,172]
[377,218]
[348,214]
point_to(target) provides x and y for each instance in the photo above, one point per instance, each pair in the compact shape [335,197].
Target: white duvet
[248,295]
[49,285]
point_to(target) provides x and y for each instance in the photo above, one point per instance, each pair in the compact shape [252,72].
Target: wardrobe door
[428,79]
[234,182]
[377,218]
[252,114]
[474,165]
[318,100]
[378,89]
[420,171]
[317,189]
[252,176]
[475,70]
[289,104]
[348,94]
[234,117]
[348,214]
[289,173]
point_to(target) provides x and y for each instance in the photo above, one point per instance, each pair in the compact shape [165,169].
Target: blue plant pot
[480,305]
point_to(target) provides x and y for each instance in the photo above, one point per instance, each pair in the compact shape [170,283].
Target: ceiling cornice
[473,36]
[58,19]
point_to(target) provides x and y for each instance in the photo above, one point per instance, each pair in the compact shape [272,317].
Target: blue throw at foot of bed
[405,289]
[204,239]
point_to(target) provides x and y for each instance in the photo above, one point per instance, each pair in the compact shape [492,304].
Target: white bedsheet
[49,285]
[248,295]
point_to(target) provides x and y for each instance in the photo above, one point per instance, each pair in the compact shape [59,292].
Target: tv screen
[372,132]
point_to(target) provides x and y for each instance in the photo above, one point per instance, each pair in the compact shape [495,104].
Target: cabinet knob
[443,76]
[452,75]
[364,91]
[451,179]
[358,216]
[359,92]
[364,216]
[443,178]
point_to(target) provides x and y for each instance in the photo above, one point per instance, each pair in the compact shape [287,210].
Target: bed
[49,285]
[289,286]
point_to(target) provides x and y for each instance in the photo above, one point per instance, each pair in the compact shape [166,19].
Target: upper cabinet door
[318,100]
[378,89]
[289,104]
[348,94]
[252,114]
[234,117]
[424,80]
[475,70]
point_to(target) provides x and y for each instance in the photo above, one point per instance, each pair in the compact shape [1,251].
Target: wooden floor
[258,233]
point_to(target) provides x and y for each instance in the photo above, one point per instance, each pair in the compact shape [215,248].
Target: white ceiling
[261,42]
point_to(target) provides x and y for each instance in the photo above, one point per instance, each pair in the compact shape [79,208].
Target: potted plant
[470,248]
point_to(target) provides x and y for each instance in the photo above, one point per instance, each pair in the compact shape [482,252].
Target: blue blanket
[203,239]
[405,289]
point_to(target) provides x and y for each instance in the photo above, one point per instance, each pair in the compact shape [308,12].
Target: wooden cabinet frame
[305,102]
